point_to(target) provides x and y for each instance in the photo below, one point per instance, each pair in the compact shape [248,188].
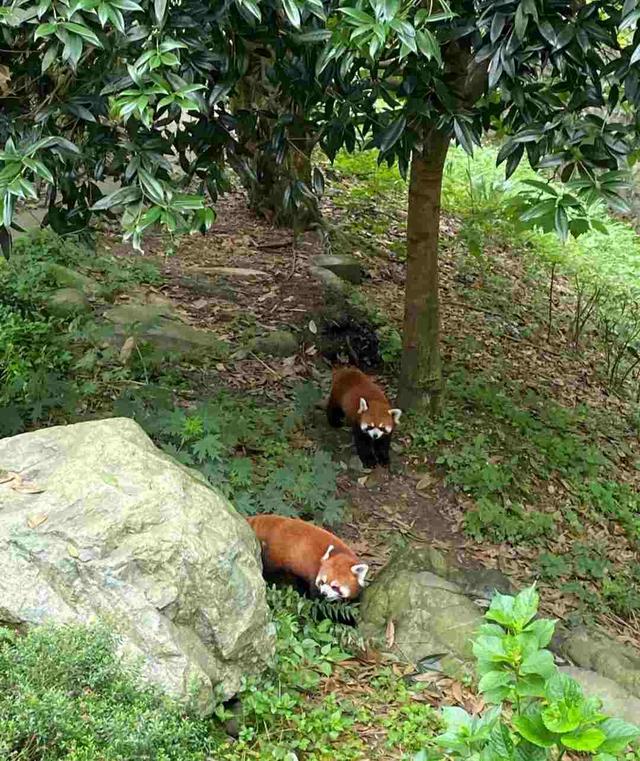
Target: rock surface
[432,617]
[67,302]
[616,701]
[280,343]
[64,277]
[611,659]
[105,527]
[158,325]
[345,267]
[327,278]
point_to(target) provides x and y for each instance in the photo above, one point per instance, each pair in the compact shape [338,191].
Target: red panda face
[338,577]
[376,419]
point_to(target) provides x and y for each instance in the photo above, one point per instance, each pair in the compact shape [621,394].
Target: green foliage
[67,694]
[538,712]
[64,694]
[498,441]
[51,367]
[244,449]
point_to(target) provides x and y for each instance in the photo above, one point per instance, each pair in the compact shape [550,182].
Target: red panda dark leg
[364,447]
[335,415]
[381,447]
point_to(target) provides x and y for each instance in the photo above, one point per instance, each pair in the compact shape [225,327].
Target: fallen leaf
[73,551]
[390,635]
[426,677]
[456,691]
[424,483]
[36,519]
[127,348]
[313,327]
[5,77]
[17,483]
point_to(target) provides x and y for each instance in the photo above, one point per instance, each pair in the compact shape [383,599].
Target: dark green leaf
[393,133]
[120,197]
[317,180]
[562,223]
[497,26]
[292,12]
[548,32]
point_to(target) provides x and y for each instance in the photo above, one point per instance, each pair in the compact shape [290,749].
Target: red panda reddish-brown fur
[357,398]
[321,559]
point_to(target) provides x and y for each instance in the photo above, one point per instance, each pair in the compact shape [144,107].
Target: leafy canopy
[141,93]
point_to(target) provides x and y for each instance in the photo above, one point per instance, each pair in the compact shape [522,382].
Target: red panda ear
[330,549]
[395,414]
[360,570]
[363,405]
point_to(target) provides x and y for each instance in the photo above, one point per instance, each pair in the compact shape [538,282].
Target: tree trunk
[421,370]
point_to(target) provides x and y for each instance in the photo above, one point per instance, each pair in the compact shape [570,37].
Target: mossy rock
[609,658]
[158,325]
[345,267]
[430,615]
[280,343]
[64,277]
[67,302]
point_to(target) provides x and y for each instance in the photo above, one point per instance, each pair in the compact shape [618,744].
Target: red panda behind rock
[308,552]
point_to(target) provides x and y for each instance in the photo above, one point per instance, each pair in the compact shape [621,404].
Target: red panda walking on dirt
[356,397]
[308,552]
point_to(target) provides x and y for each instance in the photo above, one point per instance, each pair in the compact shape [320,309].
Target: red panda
[356,397]
[308,552]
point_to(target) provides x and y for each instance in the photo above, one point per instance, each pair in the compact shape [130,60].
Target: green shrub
[537,712]
[65,694]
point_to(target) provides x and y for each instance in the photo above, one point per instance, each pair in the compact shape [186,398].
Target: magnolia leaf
[393,133]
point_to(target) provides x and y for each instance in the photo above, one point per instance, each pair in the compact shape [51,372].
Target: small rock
[67,302]
[328,278]
[606,656]
[431,616]
[280,343]
[345,267]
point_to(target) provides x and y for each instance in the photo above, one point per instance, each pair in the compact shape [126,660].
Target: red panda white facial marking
[331,588]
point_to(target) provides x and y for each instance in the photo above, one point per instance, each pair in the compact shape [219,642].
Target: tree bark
[421,369]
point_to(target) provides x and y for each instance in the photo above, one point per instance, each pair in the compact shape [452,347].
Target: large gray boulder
[101,526]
